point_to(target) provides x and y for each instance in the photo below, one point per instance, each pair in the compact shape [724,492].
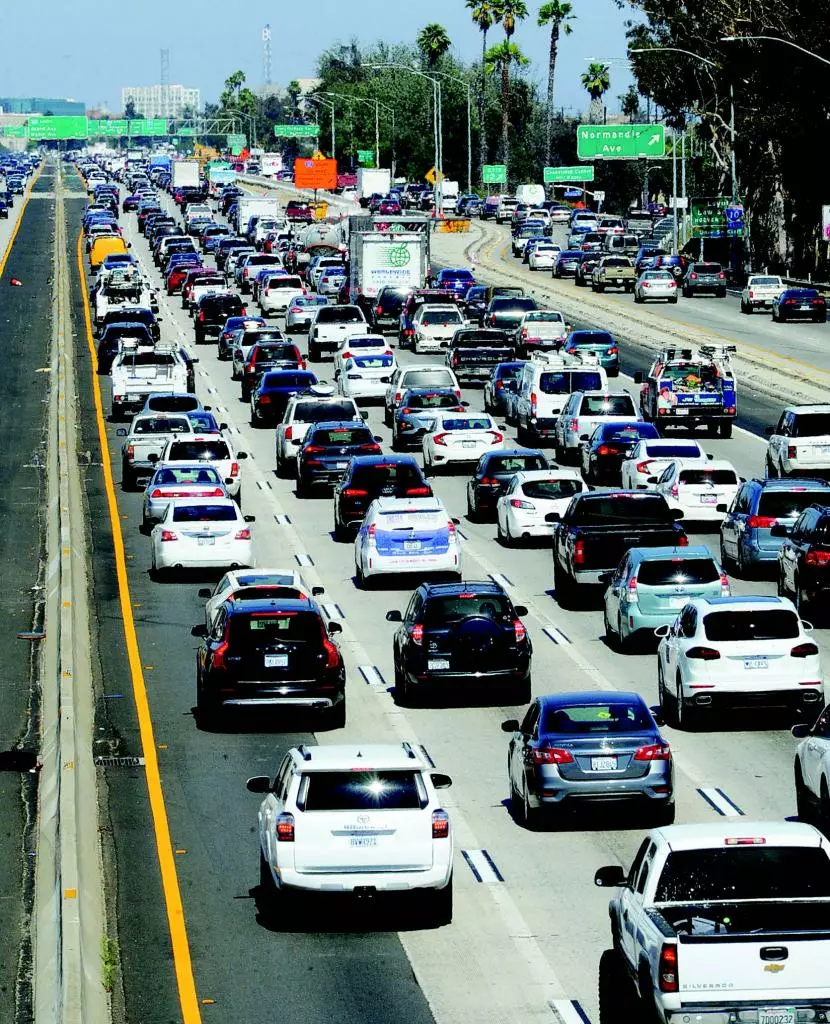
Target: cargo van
[544,387]
[103,247]
[533,195]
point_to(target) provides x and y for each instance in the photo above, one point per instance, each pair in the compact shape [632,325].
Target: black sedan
[374,476]
[603,452]
[461,634]
[799,304]
[327,450]
[270,396]
[491,474]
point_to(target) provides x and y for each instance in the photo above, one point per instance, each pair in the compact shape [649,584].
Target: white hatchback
[737,652]
[648,458]
[202,534]
[406,535]
[361,817]
[702,491]
[458,438]
[434,327]
[529,497]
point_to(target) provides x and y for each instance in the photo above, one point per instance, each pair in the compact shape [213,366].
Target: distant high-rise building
[161,100]
[41,105]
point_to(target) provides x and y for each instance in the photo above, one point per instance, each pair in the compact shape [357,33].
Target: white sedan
[203,534]
[655,284]
[649,457]
[529,497]
[459,438]
[543,256]
[737,652]
[362,345]
[434,327]
[366,377]
[257,585]
[702,492]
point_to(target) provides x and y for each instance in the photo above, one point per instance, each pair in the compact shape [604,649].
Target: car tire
[439,905]
[363,582]
[313,353]
[663,815]
[745,308]
[685,715]
[521,695]
[616,997]
[638,298]
[686,293]
[564,588]
[666,700]
[728,564]
[128,478]
[772,471]
[726,429]
[803,804]
[335,718]
[673,300]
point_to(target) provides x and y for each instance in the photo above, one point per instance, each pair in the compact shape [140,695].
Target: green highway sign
[187,130]
[236,143]
[620,141]
[15,131]
[579,173]
[145,126]
[296,131]
[113,128]
[716,217]
[494,174]
[365,156]
[58,128]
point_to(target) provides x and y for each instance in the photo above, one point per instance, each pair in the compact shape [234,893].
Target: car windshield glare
[187,475]
[204,514]
[514,463]
[725,477]
[363,791]
[439,611]
[466,423]
[790,504]
[762,624]
[263,629]
[200,451]
[677,571]
[429,378]
[341,437]
[622,508]
[587,719]
[607,405]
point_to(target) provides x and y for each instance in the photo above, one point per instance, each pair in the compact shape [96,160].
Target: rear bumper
[679,1011]
[436,877]
[729,696]
[379,565]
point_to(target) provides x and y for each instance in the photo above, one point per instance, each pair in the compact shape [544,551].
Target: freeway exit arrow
[654,139]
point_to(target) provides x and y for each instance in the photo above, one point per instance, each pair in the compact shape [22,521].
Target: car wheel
[626,642]
[522,692]
[335,718]
[803,804]
[664,699]
[664,815]
[772,471]
[612,636]
[516,807]
[726,561]
[564,588]
[440,905]
[616,997]
[127,477]
[726,429]
[530,815]
[638,298]
[673,300]
[341,533]
[253,419]
[686,293]
[745,308]
[824,807]
[684,714]
[472,512]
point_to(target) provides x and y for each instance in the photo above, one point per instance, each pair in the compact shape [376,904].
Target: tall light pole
[329,106]
[460,81]
[363,99]
[251,122]
[391,110]
[775,39]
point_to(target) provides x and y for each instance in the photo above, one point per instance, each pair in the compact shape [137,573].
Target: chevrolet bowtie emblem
[774,968]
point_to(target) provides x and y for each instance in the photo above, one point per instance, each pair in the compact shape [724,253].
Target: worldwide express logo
[394,256]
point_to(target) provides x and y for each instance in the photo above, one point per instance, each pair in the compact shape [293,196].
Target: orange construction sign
[315,173]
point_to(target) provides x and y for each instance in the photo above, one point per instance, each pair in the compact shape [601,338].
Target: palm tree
[597,81]
[508,12]
[498,60]
[630,103]
[433,42]
[557,14]
[483,15]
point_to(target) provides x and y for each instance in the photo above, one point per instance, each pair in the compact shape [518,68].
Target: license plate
[777,1015]
[708,499]
[363,841]
[340,465]
[412,545]
[677,602]
[468,444]
[681,412]
[752,663]
[437,664]
[603,764]
[276,661]
[205,541]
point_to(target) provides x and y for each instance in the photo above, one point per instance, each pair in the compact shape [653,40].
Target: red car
[176,277]
[390,207]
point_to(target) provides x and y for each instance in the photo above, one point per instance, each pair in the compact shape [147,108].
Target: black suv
[804,560]
[327,450]
[374,476]
[386,312]
[490,477]
[452,634]
[211,313]
[269,652]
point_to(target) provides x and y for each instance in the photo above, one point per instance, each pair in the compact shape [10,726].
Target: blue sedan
[799,304]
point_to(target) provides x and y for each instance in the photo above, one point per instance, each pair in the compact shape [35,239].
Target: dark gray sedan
[588,746]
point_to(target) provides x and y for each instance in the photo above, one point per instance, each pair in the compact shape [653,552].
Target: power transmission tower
[266,54]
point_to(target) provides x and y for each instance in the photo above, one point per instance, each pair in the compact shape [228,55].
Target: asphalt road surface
[526,939]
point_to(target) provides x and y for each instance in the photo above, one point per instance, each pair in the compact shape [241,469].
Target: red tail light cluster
[552,755]
[440,824]
[416,634]
[668,979]
[817,558]
[654,752]
[579,552]
[804,650]
[285,827]
[703,654]
[520,631]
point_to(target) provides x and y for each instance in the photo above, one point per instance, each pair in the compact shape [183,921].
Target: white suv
[316,405]
[799,444]
[362,818]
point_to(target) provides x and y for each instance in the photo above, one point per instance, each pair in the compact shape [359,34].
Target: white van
[546,383]
[533,195]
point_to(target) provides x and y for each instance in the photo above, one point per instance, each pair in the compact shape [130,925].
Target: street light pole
[674,190]
[775,39]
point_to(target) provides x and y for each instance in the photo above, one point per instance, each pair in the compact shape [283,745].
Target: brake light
[168,535]
[243,534]
[645,284]
[440,824]
[201,316]
[518,503]
[234,469]
[574,425]
[439,439]
[451,529]
[579,552]
[703,654]
[219,655]
[682,541]
[667,969]
[725,589]
[674,490]
[604,449]
[654,752]
[416,634]
[378,310]
[632,589]
[533,402]
[419,492]
[355,492]
[398,397]
[289,433]
[792,451]
[370,533]
[693,276]
[332,653]
[497,436]
[285,827]
[817,558]
[642,467]
[130,451]
[552,755]
[721,276]
[761,522]
[520,631]
[804,650]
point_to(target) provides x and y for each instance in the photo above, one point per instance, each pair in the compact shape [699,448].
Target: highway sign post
[578,173]
[433,175]
[236,143]
[494,174]
[296,131]
[620,141]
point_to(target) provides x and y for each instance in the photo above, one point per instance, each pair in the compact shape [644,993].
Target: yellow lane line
[170,882]
[26,198]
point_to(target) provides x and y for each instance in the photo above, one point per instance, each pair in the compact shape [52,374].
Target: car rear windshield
[466,423]
[590,340]
[434,401]
[372,362]
[444,316]
[273,353]
[203,451]
[173,403]
[613,509]
[187,475]
[429,378]
[760,624]
[376,476]
[204,513]
[161,425]
[607,405]
[267,628]
[221,305]
[388,294]
[339,315]
[317,412]
[673,451]
[515,463]
[744,873]
[481,339]
[203,422]
[708,476]
[551,489]
[764,281]
[284,282]
[569,380]
[707,268]
[362,791]
[512,303]
[288,380]
[342,436]
[669,571]
[616,261]
[790,504]
[439,611]
[587,719]
[148,359]
[812,424]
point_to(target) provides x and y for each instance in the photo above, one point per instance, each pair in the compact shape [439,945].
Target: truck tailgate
[604,548]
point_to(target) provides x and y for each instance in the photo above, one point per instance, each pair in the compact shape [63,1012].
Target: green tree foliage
[483,14]
[596,81]
[557,15]
[433,42]
[630,103]
[129,111]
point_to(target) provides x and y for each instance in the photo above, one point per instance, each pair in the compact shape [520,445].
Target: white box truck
[384,258]
[271,164]
[256,206]
[186,174]
[373,179]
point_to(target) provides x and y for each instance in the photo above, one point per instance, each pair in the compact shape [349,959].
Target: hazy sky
[88,51]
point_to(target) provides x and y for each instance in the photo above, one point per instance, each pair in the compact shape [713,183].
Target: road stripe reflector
[282,520]
[372,675]
[482,866]
[333,611]
[261,484]
[304,559]
[212,391]
[717,799]
[221,408]
[461,533]
[555,634]
[568,1011]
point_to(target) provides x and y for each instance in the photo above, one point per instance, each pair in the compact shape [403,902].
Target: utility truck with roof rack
[721,924]
[141,370]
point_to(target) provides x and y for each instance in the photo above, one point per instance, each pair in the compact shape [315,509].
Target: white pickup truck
[759,292]
[721,923]
[147,436]
[138,372]
[331,327]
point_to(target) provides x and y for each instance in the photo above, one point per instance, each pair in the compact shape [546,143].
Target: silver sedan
[179,481]
[655,284]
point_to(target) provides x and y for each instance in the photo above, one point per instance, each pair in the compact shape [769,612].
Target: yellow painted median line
[26,198]
[169,878]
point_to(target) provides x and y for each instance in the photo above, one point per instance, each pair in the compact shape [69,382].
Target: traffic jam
[486,482]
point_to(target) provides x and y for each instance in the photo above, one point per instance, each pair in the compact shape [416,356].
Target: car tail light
[818,302]
[244,311]
[416,634]
[579,552]
[499,385]
[674,490]
[243,534]
[130,451]
[370,533]
[355,492]
[574,425]
[398,397]
[725,589]
[612,350]
[518,503]
[721,277]
[408,332]
[285,827]
[419,492]
[642,467]
[789,302]
[792,451]
[219,655]
[817,558]
[761,522]
[703,654]
[234,469]
[804,650]
[451,529]
[332,653]
[202,316]
[682,541]
[497,436]
[632,589]
[378,310]
[668,980]
[440,824]
[520,631]
[604,449]
[168,535]
[693,276]
[654,752]
[645,284]
[439,439]
[289,433]
[752,295]
[552,755]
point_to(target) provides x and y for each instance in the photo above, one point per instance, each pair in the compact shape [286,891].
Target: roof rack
[409,751]
[304,752]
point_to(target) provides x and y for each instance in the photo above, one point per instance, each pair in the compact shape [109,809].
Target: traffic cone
[15,283]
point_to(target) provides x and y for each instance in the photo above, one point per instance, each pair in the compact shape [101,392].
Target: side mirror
[520,610]
[364,415]
[456,522]
[466,405]
[121,432]
[153,458]
[335,627]
[662,631]
[440,781]
[378,438]
[250,519]
[721,508]
[584,437]
[678,514]
[394,616]
[779,530]
[609,876]
[242,455]
[657,714]
[652,480]
[205,593]
[258,784]
[229,480]
[800,731]
[200,630]
[510,725]
[552,517]
[317,591]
